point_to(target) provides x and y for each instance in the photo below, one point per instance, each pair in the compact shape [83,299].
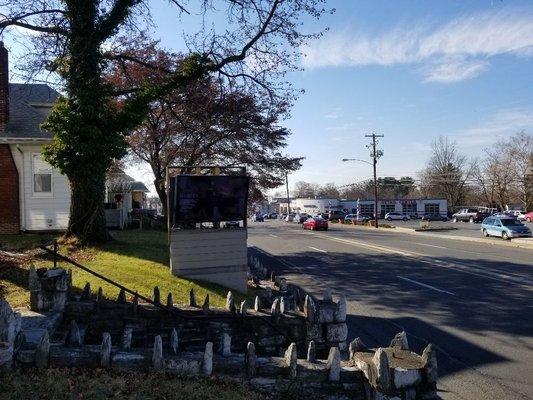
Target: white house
[33,195]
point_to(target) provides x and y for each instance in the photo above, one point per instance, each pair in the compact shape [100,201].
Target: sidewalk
[526,243]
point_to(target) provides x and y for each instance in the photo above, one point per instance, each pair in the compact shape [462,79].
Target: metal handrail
[57,255]
[174,311]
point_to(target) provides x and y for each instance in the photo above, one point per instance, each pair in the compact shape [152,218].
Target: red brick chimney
[4,87]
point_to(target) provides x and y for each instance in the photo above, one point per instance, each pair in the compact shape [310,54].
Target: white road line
[459,267]
[431,245]
[372,246]
[314,248]
[273,235]
[425,285]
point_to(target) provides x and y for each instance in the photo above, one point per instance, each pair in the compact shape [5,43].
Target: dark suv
[469,214]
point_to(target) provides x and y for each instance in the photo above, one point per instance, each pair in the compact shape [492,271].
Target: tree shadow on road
[478,304]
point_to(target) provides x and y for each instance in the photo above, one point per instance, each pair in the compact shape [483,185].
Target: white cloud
[454,51]
[455,70]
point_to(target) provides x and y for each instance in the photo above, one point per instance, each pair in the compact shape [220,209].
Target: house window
[42,176]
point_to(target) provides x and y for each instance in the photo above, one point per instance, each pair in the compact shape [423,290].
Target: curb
[524,243]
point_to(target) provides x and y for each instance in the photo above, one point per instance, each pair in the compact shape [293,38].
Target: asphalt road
[473,301]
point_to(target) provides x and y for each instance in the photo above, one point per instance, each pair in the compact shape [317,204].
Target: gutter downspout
[22,192]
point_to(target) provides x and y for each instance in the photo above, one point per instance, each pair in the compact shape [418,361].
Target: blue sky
[411,70]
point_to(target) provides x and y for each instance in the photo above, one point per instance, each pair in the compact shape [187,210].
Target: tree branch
[242,55]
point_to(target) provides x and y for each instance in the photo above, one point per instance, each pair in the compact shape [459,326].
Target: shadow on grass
[12,274]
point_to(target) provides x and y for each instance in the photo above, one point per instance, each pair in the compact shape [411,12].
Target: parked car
[354,217]
[434,217]
[322,215]
[289,217]
[273,216]
[393,215]
[518,214]
[469,215]
[257,218]
[315,224]
[528,216]
[336,215]
[504,227]
[504,214]
[301,218]
[231,224]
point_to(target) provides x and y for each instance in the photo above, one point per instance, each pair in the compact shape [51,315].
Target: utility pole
[288,198]
[375,154]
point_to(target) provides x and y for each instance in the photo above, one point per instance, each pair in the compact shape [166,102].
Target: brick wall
[9,192]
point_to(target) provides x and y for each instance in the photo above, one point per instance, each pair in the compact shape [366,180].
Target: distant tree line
[388,187]
[501,178]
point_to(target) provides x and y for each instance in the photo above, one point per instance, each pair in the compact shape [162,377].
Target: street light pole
[375,155]
[288,198]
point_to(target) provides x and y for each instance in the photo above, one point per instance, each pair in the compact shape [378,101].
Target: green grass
[23,242]
[58,384]
[136,259]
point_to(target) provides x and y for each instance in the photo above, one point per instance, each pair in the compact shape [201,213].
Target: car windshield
[510,222]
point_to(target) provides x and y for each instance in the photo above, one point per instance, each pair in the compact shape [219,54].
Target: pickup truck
[469,215]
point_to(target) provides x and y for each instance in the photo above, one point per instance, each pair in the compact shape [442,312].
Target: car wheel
[471,220]
[444,219]
[454,220]
[325,229]
[389,219]
[505,236]
[404,219]
[485,233]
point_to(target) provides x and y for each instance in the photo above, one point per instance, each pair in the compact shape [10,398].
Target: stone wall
[278,345]
[325,319]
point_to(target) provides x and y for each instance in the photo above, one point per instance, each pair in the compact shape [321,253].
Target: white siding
[213,255]
[42,211]
[314,206]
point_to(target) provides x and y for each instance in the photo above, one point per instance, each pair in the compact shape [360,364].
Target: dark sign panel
[208,198]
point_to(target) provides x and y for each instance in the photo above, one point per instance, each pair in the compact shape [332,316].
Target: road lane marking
[456,266]
[430,245]
[371,246]
[425,285]
[314,248]
[273,235]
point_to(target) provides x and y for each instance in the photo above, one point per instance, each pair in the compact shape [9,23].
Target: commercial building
[412,207]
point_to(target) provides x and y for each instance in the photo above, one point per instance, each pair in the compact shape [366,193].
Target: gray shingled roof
[29,104]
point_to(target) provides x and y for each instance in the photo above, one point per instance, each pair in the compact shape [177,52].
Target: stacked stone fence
[287,340]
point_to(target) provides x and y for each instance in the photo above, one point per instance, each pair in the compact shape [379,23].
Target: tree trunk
[162,193]
[87,215]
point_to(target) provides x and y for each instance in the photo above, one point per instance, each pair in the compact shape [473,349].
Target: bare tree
[304,190]
[328,190]
[505,175]
[447,173]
